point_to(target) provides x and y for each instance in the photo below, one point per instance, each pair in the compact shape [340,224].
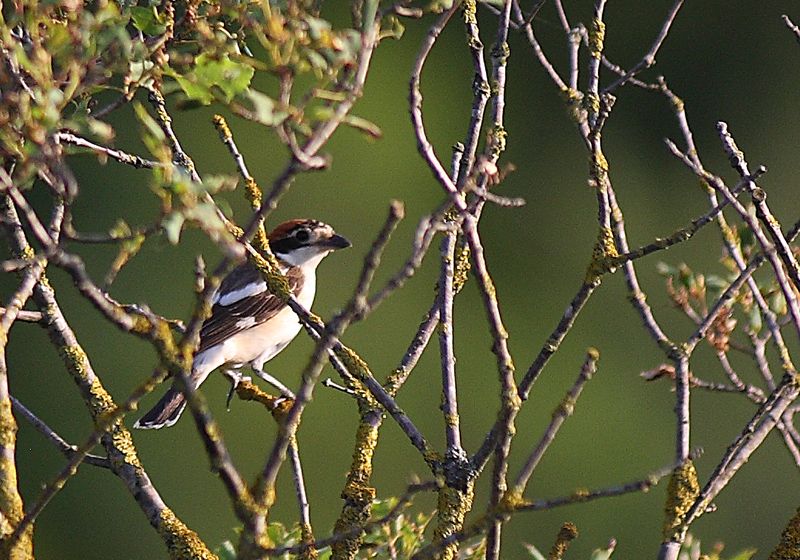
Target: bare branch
[792,27]
[65,448]
[564,410]
[650,56]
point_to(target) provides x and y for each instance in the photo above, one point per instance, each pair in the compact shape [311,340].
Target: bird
[248,324]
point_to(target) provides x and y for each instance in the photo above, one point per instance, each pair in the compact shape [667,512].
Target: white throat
[306,257]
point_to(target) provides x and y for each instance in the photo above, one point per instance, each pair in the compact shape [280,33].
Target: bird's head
[304,242]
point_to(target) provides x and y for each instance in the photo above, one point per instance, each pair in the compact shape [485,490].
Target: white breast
[259,344]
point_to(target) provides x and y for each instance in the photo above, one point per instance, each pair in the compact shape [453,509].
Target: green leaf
[601,554]
[153,137]
[754,322]
[747,239]
[226,551]
[148,20]
[777,303]
[137,69]
[367,127]
[228,75]
[173,224]
[264,109]
[120,229]
[216,183]
[317,61]
[100,129]
[317,27]
[192,89]
[392,27]
[222,74]
[381,508]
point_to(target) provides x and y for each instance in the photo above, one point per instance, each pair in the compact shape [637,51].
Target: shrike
[248,324]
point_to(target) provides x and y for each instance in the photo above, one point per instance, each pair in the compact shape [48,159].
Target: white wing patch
[244,292]
[245,323]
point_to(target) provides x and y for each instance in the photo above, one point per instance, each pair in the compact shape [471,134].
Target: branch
[649,59]
[792,27]
[511,506]
[64,137]
[65,448]
[560,414]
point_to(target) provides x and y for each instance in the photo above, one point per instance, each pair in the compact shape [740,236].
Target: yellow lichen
[789,546]
[501,52]
[598,167]
[182,543]
[591,102]
[123,442]
[498,136]
[98,399]
[307,537]
[8,426]
[566,534]
[512,500]
[603,255]
[605,240]
[222,127]
[453,507]
[461,267]
[581,494]
[353,362]
[10,500]
[358,495]
[597,36]
[248,391]
[451,419]
[682,492]
[470,8]
[276,282]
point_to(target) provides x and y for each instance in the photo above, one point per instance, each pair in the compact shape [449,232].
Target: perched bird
[248,324]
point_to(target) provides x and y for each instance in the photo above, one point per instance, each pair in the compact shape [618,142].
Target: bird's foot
[235,377]
[331,384]
[284,390]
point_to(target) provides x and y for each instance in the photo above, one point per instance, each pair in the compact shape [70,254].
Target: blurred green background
[729,61]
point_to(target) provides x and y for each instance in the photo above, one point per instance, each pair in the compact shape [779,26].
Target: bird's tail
[165,413]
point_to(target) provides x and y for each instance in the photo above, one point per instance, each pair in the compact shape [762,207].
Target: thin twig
[564,410]
[138,162]
[300,488]
[446,351]
[527,28]
[48,432]
[650,56]
[792,27]
[26,316]
[426,230]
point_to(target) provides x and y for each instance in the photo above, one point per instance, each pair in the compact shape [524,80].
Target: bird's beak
[337,242]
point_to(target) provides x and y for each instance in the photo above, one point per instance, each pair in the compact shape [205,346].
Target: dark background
[729,61]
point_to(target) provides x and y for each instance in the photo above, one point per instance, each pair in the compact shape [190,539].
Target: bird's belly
[262,342]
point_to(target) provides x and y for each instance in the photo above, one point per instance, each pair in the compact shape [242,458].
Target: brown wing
[247,312]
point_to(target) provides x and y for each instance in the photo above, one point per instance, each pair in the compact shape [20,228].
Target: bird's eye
[302,235]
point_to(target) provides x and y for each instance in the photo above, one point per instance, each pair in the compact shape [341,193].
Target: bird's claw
[235,378]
